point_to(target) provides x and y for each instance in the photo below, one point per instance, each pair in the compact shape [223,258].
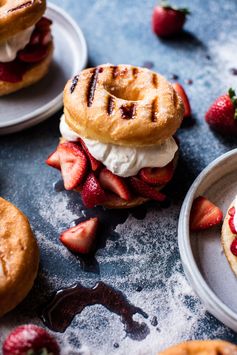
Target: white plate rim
[213,304]
[56,104]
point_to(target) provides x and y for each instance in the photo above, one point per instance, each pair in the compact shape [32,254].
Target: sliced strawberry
[46,38]
[73,164]
[53,160]
[81,238]
[144,190]
[95,164]
[12,72]
[204,214]
[92,192]
[43,24]
[231,213]
[33,54]
[154,176]
[180,90]
[114,183]
[35,38]
[233,247]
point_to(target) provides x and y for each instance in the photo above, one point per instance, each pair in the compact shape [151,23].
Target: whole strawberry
[222,115]
[168,21]
[30,339]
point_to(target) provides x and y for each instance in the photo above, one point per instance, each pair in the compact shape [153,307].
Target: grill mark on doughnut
[116,72]
[110,106]
[154,80]
[135,72]
[154,109]
[22,6]
[92,85]
[74,83]
[128,111]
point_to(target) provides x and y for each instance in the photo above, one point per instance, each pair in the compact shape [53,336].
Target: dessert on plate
[229,235]
[19,257]
[202,347]
[117,147]
[26,44]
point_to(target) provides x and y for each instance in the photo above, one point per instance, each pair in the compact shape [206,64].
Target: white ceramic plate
[204,262]
[36,103]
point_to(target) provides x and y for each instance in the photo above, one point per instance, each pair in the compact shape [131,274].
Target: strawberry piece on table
[92,192]
[30,339]
[33,54]
[95,164]
[114,183]
[168,21]
[81,238]
[53,160]
[180,90]
[157,176]
[204,214]
[73,164]
[145,190]
[222,115]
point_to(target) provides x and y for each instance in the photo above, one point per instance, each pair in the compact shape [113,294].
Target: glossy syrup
[68,302]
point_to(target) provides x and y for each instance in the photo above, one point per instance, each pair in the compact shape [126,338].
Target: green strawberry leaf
[184,10]
[233,98]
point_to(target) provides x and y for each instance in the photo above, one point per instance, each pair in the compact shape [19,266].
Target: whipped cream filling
[9,48]
[124,161]
[235,215]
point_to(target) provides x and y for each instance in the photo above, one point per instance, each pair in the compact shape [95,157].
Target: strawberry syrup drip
[68,302]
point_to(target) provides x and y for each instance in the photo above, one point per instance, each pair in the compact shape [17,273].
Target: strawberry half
[81,238]
[95,164]
[73,164]
[33,53]
[92,192]
[231,213]
[180,90]
[53,160]
[204,214]
[114,183]
[30,339]
[144,190]
[222,115]
[43,24]
[168,21]
[12,72]
[157,176]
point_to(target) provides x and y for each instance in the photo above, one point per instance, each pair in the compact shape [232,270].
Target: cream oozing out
[9,48]
[125,161]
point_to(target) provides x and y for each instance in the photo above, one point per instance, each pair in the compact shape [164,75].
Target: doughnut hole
[125,93]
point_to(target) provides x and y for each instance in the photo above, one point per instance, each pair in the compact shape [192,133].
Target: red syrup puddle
[68,302]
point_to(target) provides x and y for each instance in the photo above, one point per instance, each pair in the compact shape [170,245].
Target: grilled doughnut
[122,105]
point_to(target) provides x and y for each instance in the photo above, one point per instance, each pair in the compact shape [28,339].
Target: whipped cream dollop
[9,48]
[235,215]
[124,161]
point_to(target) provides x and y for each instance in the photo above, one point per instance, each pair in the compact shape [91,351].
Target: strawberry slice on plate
[53,160]
[114,183]
[157,176]
[92,192]
[180,90]
[95,164]
[81,238]
[204,214]
[33,54]
[73,164]
[143,189]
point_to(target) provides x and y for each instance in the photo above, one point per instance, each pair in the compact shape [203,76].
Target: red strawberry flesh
[231,213]
[145,190]
[92,192]
[233,247]
[157,176]
[53,160]
[95,164]
[180,90]
[114,183]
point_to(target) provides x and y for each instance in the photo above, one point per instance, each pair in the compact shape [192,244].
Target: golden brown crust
[202,347]
[33,75]
[17,15]
[19,257]
[227,238]
[122,105]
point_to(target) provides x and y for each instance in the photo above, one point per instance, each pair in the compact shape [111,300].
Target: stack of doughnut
[26,44]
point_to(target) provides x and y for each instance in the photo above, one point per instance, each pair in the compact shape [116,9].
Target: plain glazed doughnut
[123,105]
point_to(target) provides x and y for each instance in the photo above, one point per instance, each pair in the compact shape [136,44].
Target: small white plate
[32,105]
[204,262]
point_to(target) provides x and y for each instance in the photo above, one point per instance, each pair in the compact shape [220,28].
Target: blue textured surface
[141,252]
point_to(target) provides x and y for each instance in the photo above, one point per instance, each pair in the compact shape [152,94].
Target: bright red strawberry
[231,213]
[73,164]
[53,160]
[30,339]
[233,247]
[92,192]
[81,238]
[33,54]
[114,183]
[180,90]
[157,176]
[168,21]
[95,164]
[43,24]
[145,190]
[222,115]
[204,214]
